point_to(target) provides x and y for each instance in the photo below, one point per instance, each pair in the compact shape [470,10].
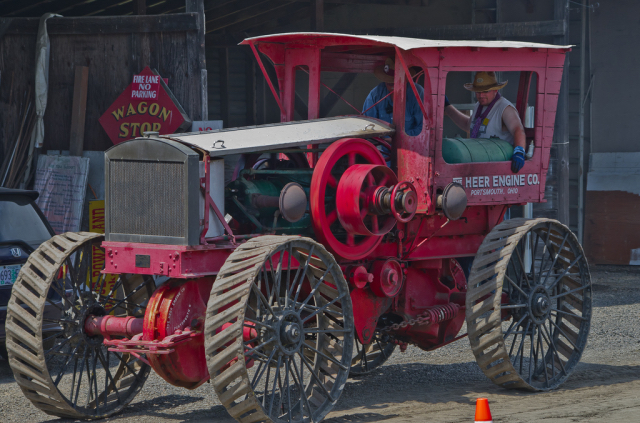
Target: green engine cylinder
[471,150]
[254,199]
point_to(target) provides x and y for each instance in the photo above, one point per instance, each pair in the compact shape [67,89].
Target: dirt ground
[439,386]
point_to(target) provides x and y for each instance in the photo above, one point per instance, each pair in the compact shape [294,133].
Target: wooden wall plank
[78,110]
[612,228]
[107,24]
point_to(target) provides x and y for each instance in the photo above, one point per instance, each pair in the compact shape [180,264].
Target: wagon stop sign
[146,104]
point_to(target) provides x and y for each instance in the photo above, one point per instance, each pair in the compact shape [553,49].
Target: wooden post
[78,110]
[250,83]
[317,15]
[139,7]
[561,142]
[197,6]
[224,85]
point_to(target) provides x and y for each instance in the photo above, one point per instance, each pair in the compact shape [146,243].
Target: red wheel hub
[326,178]
[387,278]
[406,197]
[358,198]
[174,307]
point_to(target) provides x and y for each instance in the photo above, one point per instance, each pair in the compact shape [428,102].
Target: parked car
[23,228]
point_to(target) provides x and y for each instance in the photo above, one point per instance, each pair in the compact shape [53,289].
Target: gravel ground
[442,385]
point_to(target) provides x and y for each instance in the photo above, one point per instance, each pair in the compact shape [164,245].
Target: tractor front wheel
[64,371]
[279,331]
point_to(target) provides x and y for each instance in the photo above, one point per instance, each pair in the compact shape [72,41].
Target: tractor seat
[471,150]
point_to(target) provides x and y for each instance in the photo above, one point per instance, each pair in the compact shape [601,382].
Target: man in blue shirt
[384,109]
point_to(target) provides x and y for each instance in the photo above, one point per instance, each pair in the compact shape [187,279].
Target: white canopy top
[247,139]
[402,42]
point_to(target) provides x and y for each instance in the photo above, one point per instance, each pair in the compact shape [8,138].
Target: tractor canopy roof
[321,39]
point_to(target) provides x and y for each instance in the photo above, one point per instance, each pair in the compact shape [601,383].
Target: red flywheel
[331,167]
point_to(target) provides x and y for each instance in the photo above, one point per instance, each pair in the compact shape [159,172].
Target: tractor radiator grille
[147,198]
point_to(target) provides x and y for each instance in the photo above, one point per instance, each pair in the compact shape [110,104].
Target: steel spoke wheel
[367,358]
[529,304]
[62,370]
[279,331]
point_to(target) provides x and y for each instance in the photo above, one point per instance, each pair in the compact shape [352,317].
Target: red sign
[133,114]
[145,87]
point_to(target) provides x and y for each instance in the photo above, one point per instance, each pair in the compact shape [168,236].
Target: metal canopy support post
[413,85]
[561,11]
[266,76]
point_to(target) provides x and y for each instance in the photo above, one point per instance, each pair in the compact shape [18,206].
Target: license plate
[9,274]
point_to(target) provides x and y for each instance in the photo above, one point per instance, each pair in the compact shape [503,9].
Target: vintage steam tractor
[320,256]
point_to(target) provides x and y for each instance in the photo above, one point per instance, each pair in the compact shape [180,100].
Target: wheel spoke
[515,285]
[323,355]
[555,259]
[316,286]
[321,309]
[352,158]
[315,377]
[276,378]
[566,270]
[564,293]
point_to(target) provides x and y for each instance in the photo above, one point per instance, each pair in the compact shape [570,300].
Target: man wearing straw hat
[493,116]
[379,104]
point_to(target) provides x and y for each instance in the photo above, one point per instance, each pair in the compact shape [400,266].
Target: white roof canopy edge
[223,142]
[408,43]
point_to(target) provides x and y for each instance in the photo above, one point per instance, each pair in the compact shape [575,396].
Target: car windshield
[20,221]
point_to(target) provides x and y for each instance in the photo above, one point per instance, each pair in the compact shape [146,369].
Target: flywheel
[528,304]
[279,331]
[61,369]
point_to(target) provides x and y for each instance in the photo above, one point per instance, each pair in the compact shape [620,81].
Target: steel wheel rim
[82,378]
[291,380]
[528,326]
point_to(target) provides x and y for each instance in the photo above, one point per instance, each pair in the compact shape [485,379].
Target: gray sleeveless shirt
[492,124]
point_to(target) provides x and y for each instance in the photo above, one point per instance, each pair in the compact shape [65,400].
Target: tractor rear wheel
[279,331]
[61,369]
[369,357]
[528,304]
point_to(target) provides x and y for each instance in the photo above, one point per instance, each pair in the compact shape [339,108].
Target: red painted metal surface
[176,307]
[409,202]
[176,261]
[387,278]
[108,326]
[359,203]
[367,309]
[407,272]
[347,151]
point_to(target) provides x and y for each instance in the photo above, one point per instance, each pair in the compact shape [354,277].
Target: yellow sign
[96,224]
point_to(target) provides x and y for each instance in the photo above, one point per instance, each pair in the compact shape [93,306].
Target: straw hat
[485,81]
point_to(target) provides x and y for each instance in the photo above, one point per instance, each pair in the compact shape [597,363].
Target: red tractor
[320,256]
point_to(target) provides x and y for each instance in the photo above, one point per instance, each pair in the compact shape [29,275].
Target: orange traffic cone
[483,414]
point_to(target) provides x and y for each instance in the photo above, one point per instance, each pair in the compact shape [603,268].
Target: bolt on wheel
[61,369]
[529,304]
[279,331]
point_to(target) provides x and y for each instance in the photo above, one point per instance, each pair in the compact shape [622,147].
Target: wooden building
[194,44]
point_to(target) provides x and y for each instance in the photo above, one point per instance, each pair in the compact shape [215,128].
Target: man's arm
[511,120]
[460,119]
